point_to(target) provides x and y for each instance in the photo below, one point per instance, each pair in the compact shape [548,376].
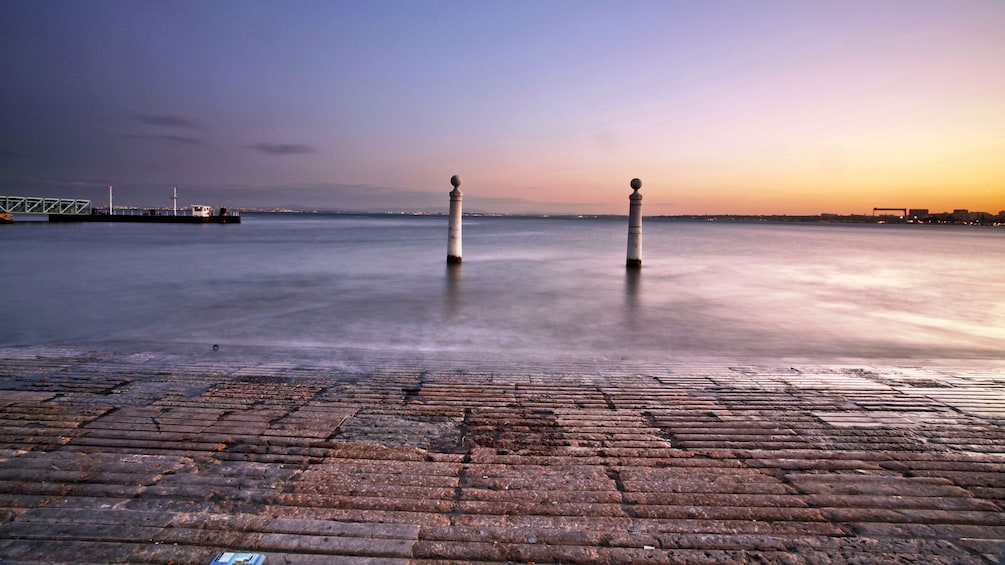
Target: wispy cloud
[169,139]
[168,121]
[282,148]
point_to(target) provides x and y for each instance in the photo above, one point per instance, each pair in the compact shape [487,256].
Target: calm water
[533,289]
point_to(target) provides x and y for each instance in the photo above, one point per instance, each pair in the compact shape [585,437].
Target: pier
[67,210]
[146,457]
[43,205]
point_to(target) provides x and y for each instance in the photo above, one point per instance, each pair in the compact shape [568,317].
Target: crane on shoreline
[903,211]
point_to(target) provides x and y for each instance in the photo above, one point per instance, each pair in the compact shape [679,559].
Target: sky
[549,106]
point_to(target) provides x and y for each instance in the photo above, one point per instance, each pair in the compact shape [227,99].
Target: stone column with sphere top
[454,230]
[635,227]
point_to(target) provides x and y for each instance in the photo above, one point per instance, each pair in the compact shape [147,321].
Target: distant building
[917,213]
[961,215]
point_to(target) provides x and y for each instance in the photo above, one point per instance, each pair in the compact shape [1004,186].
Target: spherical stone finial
[455,181]
[636,184]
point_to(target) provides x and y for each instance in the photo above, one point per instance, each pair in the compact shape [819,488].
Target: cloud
[168,121]
[282,148]
[170,139]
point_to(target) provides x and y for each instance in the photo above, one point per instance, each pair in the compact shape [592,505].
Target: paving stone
[147,458]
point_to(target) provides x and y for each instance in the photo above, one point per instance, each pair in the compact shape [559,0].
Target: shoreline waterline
[179,355]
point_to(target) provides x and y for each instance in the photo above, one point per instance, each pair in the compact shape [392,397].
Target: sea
[534,291]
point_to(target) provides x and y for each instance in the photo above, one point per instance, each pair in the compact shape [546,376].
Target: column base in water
[634,263]
[453,259]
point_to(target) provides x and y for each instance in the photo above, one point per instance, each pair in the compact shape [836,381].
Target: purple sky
[720,107]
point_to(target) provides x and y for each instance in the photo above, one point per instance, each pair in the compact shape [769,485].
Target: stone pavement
[146,458]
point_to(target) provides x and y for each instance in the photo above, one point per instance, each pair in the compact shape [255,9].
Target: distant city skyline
[775,107]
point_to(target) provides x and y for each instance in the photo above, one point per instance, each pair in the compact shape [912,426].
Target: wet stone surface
[156,458]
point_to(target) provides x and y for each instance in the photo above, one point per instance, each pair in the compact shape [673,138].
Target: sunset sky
[540,105]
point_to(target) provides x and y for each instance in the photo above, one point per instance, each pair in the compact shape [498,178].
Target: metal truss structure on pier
[40,205]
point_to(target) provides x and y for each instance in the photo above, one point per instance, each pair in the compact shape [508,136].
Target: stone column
[454,231]
[635,227]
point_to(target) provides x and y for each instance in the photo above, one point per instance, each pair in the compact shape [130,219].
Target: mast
[174,197]
[109,200]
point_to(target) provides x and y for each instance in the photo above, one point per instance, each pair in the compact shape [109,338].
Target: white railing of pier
[165,212]
[41,205]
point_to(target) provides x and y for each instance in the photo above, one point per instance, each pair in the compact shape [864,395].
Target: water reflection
[633,281]
[453,290]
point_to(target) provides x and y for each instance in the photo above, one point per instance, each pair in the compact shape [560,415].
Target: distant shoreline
[982,219]
[970,219]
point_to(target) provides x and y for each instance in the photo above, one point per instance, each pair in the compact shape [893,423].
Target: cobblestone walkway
[134,458]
